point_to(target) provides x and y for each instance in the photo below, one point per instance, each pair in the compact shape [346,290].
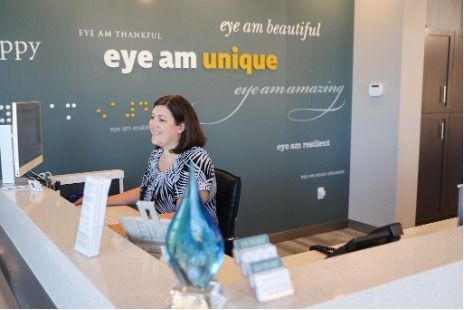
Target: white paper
[250,255]
[92,219]
[272,284]
[145,231]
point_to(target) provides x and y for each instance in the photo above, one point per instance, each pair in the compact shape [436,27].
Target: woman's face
[164,131]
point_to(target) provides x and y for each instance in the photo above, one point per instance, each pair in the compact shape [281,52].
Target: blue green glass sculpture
[194,245]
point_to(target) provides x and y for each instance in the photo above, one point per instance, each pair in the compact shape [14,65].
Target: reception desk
[423,270]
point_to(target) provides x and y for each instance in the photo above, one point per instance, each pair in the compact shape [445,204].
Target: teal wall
[284,128]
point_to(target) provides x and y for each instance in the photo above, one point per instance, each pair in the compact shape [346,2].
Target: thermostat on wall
[375,89]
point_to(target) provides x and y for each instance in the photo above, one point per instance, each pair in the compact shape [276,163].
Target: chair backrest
[227,201]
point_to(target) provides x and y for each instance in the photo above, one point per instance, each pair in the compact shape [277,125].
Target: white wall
[388,48]
[410,112]
[444,14]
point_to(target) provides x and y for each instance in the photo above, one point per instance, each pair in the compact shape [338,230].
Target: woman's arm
[129,197]
[203,197]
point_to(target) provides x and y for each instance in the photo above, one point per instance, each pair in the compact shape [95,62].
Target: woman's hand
[78,202]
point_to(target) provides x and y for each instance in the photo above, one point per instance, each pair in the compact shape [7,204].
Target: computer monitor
[21,141]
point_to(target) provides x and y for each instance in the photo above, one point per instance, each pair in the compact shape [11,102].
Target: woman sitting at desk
[178,139]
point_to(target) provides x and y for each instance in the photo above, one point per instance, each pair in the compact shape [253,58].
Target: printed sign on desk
[92,219]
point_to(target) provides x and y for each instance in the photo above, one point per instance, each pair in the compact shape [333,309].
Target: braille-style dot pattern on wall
[104,115]
[68,106]
[144,105]
[5,114]
[134,108]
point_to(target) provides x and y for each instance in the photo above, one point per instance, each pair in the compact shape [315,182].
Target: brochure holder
[262,265]
[147,231]
[92,219]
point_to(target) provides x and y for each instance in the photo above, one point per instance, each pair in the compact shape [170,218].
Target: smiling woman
[175,116]
[165,132]
[178,144]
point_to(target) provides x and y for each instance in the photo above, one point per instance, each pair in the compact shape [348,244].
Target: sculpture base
[188,297]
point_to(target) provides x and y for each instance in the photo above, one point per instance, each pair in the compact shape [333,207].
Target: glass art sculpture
[194,248]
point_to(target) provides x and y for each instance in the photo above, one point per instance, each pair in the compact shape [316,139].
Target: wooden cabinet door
[432,144]
[453,164]
[437,61]
[455,95]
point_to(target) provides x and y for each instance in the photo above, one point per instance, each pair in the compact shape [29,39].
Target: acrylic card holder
[260,262]
[147,232]
[91,222]
[248,242]
[254,254]
[270,279]
[145,229]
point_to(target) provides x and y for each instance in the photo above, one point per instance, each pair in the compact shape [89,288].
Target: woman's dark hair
[183,112]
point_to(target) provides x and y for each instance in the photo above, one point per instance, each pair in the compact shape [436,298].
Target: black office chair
[227,201]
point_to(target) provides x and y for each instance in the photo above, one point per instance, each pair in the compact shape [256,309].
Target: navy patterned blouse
[165,187]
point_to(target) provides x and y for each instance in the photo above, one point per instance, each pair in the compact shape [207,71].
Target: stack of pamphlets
[92,220]
[260,262]
[147,231]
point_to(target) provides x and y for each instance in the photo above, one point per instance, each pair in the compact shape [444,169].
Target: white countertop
[43,226]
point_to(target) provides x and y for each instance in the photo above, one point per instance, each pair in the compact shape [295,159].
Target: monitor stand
[19,183]
[6,155]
